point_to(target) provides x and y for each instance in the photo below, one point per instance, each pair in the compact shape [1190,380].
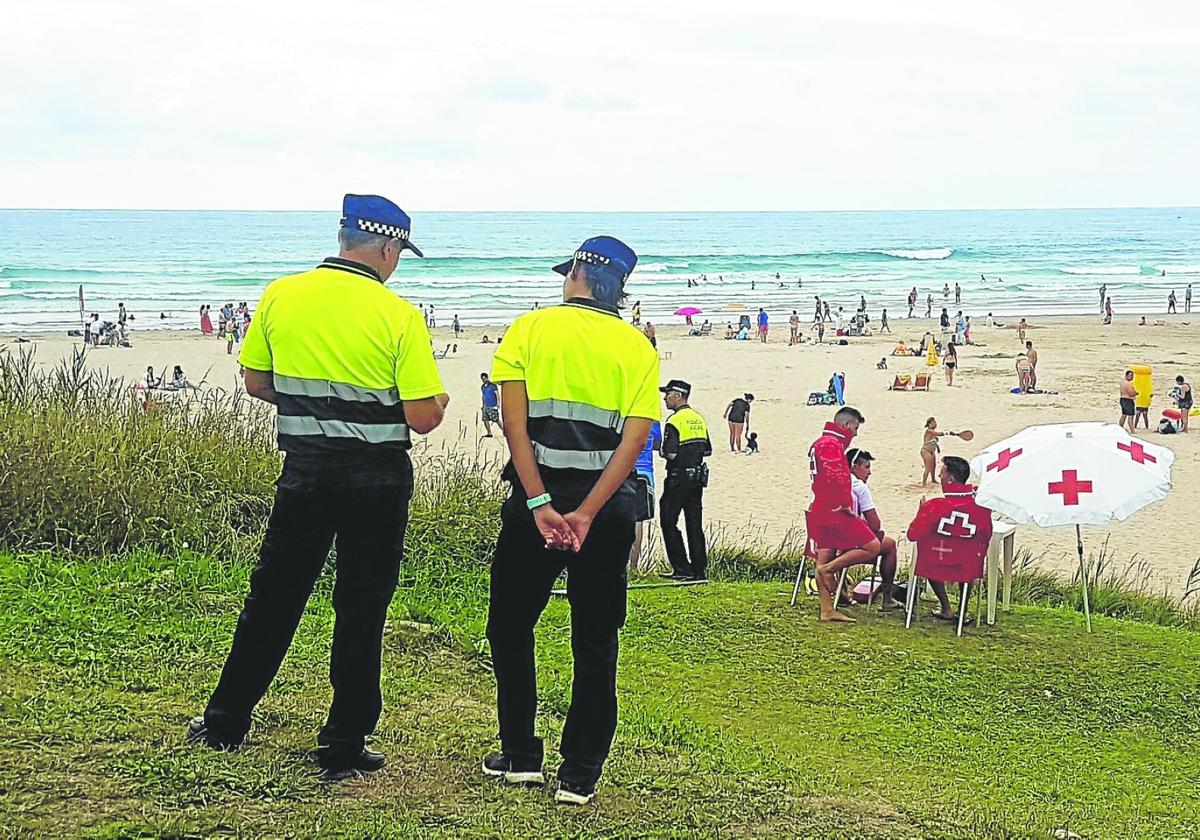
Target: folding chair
[946,560]
[900,382]
[922,382]
[810,553]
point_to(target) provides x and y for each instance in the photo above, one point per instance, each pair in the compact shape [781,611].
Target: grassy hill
[739,717]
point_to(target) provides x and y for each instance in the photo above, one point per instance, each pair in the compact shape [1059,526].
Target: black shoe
[569,794]
[675,576]
[198,733]
[500,766]
[342,765]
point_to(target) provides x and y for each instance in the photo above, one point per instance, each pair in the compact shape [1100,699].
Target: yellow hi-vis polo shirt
[585,371]
[344,351]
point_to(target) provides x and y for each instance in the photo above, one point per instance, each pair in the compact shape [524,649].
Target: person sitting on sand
[842,539]
[1142,322]
[864,507]
[179,380]
[901,349]
[957,503]
[730,332]
[485,340]
[151,380]
[1024,373]
[752,443]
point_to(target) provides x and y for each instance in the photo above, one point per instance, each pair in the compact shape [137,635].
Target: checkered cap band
[383,229]
[598,259]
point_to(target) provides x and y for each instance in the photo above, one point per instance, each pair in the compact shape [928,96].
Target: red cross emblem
[1137,452]
[1004,459]
[1070,487]
[958,525]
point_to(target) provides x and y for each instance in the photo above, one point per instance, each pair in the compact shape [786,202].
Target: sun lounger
[900,383]
[922,382]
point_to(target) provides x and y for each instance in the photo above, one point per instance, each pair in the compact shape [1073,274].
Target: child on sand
[752,443]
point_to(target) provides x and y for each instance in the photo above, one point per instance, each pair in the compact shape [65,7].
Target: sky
[609,106]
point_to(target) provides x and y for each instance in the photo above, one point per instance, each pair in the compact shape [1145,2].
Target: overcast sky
[647,105]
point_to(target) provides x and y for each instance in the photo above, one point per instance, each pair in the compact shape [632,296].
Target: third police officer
[685,445]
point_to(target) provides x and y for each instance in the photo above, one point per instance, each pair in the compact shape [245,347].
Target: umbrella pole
[1083,577]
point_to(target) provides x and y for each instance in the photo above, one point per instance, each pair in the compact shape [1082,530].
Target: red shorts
[839,531]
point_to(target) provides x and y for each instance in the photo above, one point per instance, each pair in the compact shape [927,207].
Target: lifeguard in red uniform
[842,539]
[951,533]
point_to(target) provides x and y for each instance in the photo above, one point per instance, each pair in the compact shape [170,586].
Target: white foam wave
[650,268]
[1178,268]
[1101,269]
[918,253]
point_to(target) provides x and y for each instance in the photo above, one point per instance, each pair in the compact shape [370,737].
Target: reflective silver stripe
[568,410]
[570,459]
[368,432]
[300,387]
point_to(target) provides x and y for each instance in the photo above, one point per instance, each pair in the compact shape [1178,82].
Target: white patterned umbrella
[1072,474]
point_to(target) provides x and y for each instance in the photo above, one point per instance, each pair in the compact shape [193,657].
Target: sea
[487,268]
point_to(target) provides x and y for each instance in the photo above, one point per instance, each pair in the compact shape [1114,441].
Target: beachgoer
[883,322]
[151,380]
[179,380]
[1108,312]
[685,445]
[730,332]
[122,315]
[955,505]
[1103,295]
[763,325]
[1032,355]
[1187,299]
[651,334]
[930,447]
[957,294]
[1128,395]
[912,301]
[827,316]
[738,415]
[841,538]
[945,290]
[229,337]
[950,360]
[645,492]
[490,411]
[817,313]
[456,326]
[637,313]
[864,508]
[820,332]
[752,443]
[841,320]
[1024,373]
[794,326]
[206,327]
[929,305]
[579,393]
[1021,331]
[967,331]
[433,318]
[1183,401]
[334,486]
[944,321]
[1171,302]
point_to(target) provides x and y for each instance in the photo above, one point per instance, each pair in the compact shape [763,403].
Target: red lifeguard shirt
[952,533]
[829,470]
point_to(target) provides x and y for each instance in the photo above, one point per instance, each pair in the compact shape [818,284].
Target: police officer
[578,398]
[685,445]
[348,365]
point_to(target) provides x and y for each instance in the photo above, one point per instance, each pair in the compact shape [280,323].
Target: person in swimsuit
[738,415]
[1128,395]
[951,361]
[930,448]
[1184,401]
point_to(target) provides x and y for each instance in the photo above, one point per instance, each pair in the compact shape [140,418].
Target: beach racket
[964,435]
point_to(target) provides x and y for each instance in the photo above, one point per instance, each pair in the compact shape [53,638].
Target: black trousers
[686,495]
[523,573]
[369,525]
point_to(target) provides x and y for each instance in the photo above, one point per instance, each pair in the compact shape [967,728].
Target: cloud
[626,105]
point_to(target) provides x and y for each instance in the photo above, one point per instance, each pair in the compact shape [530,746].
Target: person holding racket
[930,448]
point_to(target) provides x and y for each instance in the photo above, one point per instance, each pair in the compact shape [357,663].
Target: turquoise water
[488,267]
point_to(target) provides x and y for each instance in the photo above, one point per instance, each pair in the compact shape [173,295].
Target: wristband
[538,501]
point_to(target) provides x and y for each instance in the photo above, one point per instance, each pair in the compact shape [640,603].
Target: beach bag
[1166,427]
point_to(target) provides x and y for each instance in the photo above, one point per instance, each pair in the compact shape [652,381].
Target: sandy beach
[759,498]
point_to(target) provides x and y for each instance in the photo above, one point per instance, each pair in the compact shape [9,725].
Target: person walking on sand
[930,448]
[1171,302]
[456,326]
[1126,401]
[636,313]
[1103,295]
[1183,400]
[957,294]
[763,325]
[1108,313]
[490,412]
[579,395]
[350,391]
[651,334]
[883,322]
[841,538]
[738,415]
[929,305]
[1187,299]
[950,359]
[912,300]
[1021,331]
[794,326]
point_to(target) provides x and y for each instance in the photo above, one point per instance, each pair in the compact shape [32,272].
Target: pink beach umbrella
[1072,474]
[688,310]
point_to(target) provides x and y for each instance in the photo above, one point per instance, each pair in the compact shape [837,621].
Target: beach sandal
[967,622]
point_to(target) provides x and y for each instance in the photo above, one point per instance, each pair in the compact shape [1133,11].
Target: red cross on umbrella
[1072,474]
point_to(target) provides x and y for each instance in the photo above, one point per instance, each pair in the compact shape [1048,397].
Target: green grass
[739,717]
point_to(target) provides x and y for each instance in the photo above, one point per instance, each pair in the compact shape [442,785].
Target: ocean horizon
[489,266]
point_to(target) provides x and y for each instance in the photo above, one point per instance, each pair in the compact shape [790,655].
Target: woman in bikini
[929,450]
[951,361]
